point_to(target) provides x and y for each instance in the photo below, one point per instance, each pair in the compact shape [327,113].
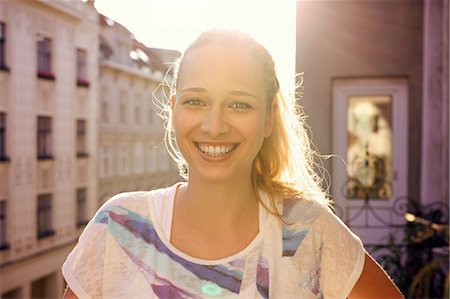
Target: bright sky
[175,24]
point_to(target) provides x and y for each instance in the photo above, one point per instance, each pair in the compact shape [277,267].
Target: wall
[360,39]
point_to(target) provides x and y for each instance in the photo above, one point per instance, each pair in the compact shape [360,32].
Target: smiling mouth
[216,150]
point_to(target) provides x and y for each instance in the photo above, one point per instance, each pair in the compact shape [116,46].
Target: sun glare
[174,24]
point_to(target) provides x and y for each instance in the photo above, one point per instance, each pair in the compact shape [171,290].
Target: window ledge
[4,159]
[4,246]
[83,83]
[82,224]
[82,155]
[4,68]
[47,157]
[46,75]
[45,234]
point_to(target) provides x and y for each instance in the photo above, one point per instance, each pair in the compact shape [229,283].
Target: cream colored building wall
[136,158]
[24,97]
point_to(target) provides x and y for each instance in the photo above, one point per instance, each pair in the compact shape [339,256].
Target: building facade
[132,155]
[77,125]
[376,92]
[48,93]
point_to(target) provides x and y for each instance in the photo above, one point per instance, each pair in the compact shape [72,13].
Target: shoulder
[315,217]
[136,202]
[306,211]
[129,200]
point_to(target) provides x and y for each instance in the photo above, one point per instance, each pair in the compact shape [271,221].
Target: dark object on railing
[420,263]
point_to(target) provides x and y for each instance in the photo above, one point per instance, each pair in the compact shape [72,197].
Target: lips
[216,150]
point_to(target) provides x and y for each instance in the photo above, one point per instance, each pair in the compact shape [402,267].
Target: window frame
[123,109]
[44,52]
[44,138]
[3,154]
[3,65]
[44,216]
[81,202]
[81,67]
[81,138]
[4,244]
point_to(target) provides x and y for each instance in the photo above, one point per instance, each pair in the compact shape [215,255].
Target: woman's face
[220,113]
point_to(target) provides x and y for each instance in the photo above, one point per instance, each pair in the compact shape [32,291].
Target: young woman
[250,222]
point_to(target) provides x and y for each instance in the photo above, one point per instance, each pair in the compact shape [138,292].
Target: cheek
[255,131]
[183,124]
[179,118]
[177,123]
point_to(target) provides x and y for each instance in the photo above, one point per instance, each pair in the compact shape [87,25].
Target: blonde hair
[285,166]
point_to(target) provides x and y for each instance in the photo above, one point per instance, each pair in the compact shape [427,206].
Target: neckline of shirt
[168,195]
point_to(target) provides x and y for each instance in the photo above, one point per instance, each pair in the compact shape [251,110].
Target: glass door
[369,174]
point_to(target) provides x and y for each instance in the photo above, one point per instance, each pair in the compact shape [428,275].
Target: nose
[214,122]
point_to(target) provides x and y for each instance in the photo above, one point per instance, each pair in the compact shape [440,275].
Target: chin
[218,175]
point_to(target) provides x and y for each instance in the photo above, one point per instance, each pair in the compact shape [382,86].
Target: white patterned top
[124,252]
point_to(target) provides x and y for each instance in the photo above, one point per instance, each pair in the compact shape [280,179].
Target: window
[124,159]
[105,161]
[81,138]
[104,111]
[3,47]
[44,58]
[123,111]
[151,113]
[137,109]
[81,207]
[152,159]
[82,68]
[137,114]
[3,232]
[44,287]
[3,156]
[369,146]
[44,138]
[44,216]
[163,159]
[138,157]
[104,107]
[123,108]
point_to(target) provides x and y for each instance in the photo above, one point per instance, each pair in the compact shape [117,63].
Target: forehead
[229,67]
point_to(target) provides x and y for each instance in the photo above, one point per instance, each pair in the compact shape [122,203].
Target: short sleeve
[84,267]
[105,262]
[342,258]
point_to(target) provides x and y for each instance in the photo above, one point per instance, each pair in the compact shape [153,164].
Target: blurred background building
[132,155]
[77,125]
[376,94]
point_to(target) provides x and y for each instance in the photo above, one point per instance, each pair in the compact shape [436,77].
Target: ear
[270,119]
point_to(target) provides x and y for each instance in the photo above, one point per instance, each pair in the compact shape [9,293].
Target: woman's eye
[240,106]
[194,102]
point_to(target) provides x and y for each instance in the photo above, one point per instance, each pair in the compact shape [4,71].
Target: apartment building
[132,155]
[48,92]
[77,125]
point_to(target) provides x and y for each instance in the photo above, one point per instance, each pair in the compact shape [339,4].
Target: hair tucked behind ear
[284,167]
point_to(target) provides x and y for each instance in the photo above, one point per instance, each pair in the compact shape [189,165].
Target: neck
[225,202]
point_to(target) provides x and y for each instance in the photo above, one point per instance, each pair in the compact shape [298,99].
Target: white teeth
[216,151]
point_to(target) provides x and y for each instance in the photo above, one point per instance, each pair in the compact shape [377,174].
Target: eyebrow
[195,89]
[242,93]
[237,92]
